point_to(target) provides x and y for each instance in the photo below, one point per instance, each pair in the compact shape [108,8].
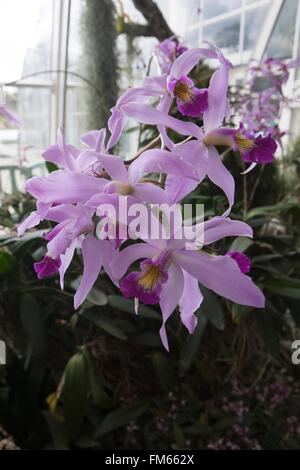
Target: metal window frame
[241,12]
[59,57]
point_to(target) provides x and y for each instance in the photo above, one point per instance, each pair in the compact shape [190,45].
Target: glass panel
[25,38]
[76,123]
[192,37]
[282,38]
[180,14]
[213,8]
[253,23]
[75,44]
[224,34]
[24,145]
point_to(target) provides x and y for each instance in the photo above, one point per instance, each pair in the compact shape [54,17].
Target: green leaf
[34,325]
[7,261]
[95,297]
[191,345]
[212,309]
[164,370]
[101,398]
[127,305]
[269,210]
[51,167]
[75,394]
[239,312]
[241,244]
[105,324]
[146,338]
[285,287]
[122,416]
[57,432]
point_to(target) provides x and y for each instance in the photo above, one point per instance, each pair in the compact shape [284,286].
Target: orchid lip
[243,143]
[183,92]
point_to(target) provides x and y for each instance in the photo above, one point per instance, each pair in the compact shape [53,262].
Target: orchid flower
[170,273]
[127,180]
[74,226]
[167,51]
[69,157]
[190,100]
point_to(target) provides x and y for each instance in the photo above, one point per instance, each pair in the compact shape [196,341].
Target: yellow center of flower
[183,92]
[217,139]
[150,278]
[243,143]
[123,189]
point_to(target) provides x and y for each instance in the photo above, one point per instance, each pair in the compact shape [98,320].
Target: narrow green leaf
[285,287]
[34,325]
[191,345]
[122,416]
[212,309]
[105,324]
[7,261]
[101,398]
[164,370]
[75,394]
[95,297]
[127,305]
[57,432]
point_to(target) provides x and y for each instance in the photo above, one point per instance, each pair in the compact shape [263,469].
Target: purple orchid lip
[191,101]
[263,150]
[242,260]
[259,149]
[146,284]
[47,267]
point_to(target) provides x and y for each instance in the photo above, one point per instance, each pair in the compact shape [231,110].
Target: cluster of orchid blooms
[87,179]
[259,101]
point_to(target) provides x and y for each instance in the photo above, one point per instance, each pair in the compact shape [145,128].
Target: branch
[136,29]
[155,19]
[157,25]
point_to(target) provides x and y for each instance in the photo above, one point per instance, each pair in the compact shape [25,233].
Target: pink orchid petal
[219,175]
[217,99]
[160,161]
[114,166]
[250,168]
[189,302]
[222,275]
[148,115]
[126,257]
[187,61]
[169,298]
[92,260]
[219,227]
[66,259]
[149,192]
[64,187]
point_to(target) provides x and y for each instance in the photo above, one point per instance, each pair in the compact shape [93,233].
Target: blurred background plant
[79,380]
